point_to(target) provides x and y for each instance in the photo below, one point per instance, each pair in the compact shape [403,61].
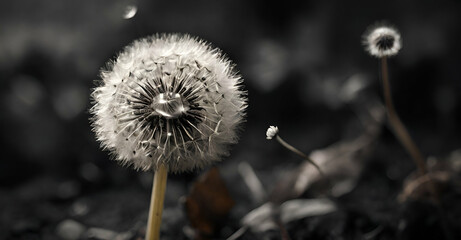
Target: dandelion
[168,103]
[273,132]
[168,99]
[382,41]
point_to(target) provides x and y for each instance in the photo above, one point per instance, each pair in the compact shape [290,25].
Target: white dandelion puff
[382,41]
[168,99]
[271,132]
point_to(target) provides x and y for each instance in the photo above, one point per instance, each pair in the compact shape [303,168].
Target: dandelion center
[385,42]
[170,105]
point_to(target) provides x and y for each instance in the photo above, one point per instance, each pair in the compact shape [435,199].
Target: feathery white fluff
[382,41]
[168,99]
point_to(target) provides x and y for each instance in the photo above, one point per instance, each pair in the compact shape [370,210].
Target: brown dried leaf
[417,187]
[261,219]
[443,174]
[208,204]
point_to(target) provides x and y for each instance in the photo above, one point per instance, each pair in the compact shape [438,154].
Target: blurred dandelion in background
[382,40]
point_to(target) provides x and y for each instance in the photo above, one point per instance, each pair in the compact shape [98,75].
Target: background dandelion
[382,40]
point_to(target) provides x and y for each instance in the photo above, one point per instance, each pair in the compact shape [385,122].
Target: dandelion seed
[382,41]
[168,99]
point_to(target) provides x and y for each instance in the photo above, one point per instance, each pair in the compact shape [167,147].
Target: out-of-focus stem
[394,120]
[299,153]
[402,134]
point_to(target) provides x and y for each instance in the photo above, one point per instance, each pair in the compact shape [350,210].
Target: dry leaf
[258,193]
[416,187]
[208,204]
[261,219]
[443,174]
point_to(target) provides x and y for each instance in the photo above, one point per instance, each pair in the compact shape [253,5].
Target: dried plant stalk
[397,125]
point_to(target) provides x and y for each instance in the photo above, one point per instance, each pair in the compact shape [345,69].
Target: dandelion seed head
[168,99]
[382,41]
[271,132]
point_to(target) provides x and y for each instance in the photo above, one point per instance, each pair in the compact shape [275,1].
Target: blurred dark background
[295,57]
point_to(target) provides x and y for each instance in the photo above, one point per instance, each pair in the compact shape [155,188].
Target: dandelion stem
[402,133]
[399,129]
[156,203]
[299,153]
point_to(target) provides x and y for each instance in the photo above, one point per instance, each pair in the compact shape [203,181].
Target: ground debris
[208,204]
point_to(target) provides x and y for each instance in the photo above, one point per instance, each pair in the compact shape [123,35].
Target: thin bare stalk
[403,135]
[397,125]
[156,203]
[299,153]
